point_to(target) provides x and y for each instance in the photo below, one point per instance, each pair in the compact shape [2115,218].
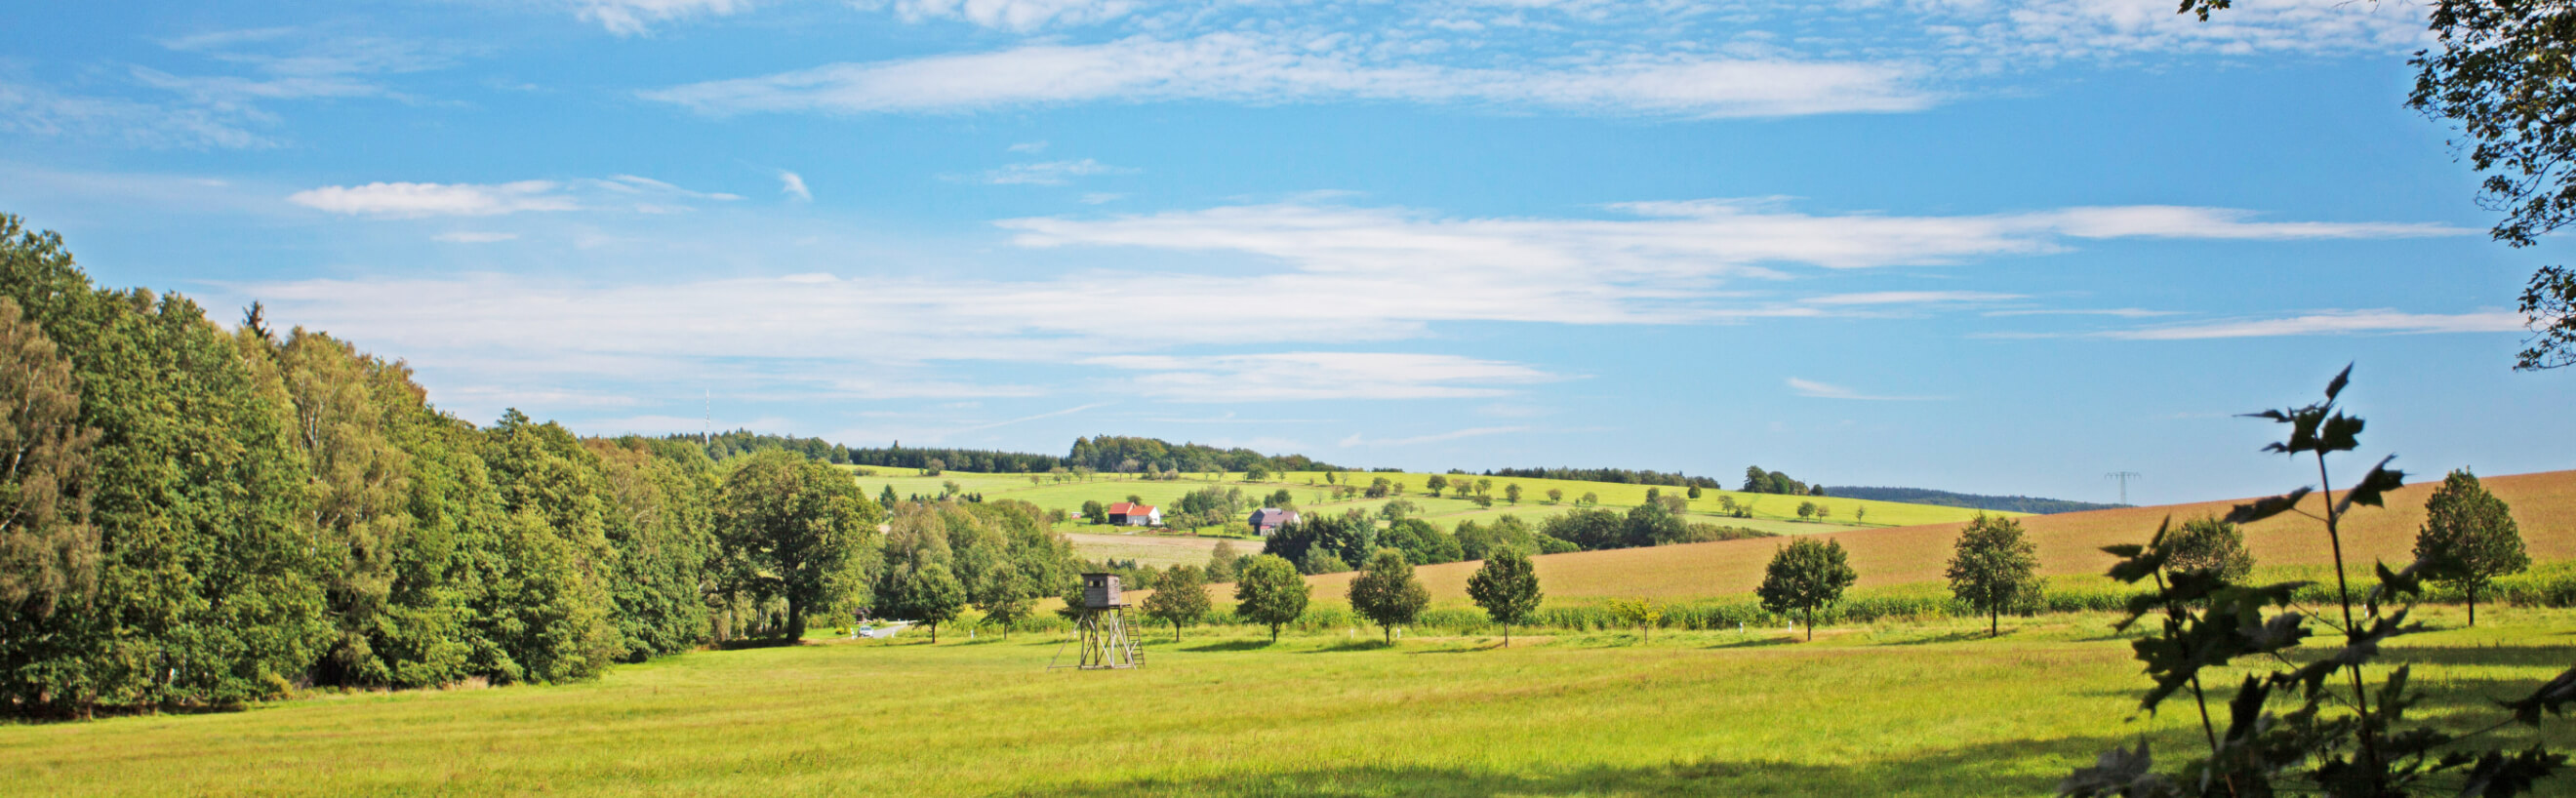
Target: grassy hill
[2544,505]
[1771,513]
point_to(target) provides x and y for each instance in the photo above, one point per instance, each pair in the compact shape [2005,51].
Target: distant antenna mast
[707,428]
[2123,477]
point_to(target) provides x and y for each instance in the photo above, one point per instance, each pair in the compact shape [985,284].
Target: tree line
[195,516]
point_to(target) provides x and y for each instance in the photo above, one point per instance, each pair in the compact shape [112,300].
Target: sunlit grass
[1891,709]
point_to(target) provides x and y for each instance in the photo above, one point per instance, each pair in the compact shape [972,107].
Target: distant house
[1132,514]
[1269,519]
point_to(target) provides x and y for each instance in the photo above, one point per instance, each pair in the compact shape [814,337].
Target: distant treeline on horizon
[1110,453]
[2011,504]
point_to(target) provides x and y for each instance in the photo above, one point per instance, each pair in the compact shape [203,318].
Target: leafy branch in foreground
[2344,737]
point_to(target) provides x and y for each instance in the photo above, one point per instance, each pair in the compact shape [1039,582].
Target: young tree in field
[1180,600]
[1484,486]
[1694,491]
[1006,598]
[1270,592]
[1387,593]
[1823,512]
[1589,499]
[1507,588]
[1993,568]
[1093,512]
[1804,576]
[933,597]
[1644,614]
[1255,474]
[887,498]
[1512,493]
[1437,483]
[2469,538]
[1860,513]
[1806,511]
[2211,544]
[1555,495]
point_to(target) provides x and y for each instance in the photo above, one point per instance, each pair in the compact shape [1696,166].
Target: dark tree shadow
[1231,645]
[1986,769]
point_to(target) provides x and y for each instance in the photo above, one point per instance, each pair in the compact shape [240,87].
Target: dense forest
[2015,504]
[1116,454]
[1617,475]
[192,516]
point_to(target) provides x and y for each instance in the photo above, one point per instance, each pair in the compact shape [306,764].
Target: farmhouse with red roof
[1132,514]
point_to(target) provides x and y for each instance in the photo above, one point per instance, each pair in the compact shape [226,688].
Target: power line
[2123,477]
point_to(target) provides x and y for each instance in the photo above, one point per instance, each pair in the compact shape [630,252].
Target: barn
[1133,514]
[1269,519]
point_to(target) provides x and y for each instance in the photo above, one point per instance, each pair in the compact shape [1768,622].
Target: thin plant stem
[2343,591]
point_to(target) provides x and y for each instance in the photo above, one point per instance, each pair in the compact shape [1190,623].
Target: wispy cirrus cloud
[1911,298]
[416,200]
[793,185]
[1417,440]
[1820,390]
[2334,322]
[1233,67]
[404,200]
[637,17]
[1018,15]
[1295,376]
[1047,173]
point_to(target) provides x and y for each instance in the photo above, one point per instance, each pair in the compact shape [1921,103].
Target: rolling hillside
[2070,544]
[1771,513]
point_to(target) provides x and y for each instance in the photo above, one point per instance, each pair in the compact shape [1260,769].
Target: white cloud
[1018,15]
[1030,147]
[36,111]
[1819,390]
[1101,197]
[474,237]
[1473,432]
[793,185]
[2333,322]
[1048,173]
[2126,313]
[414,200]
[417,200]
[633,17]
[2170,221]
[1240,68]
[2108,28]
[1323,279]
[1909,298]
[1320,375]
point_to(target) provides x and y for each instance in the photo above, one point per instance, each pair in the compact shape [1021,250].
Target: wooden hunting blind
[1104,626]
[1100,592]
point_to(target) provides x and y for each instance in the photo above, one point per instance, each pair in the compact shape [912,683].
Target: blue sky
[1981,245]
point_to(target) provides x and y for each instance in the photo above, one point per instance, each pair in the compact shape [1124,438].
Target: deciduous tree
[1507,588]
[1269,592]
[1180,600]
[2469,538]
[1993,568]
[1805,576]
[1387,594]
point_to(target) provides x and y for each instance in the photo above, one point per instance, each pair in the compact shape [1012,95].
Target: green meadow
[1930,708]
[1771,512]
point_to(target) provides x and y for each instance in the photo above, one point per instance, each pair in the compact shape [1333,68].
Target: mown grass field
[1893,710]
